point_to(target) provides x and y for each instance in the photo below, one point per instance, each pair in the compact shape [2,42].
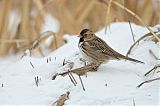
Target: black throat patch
[81,40]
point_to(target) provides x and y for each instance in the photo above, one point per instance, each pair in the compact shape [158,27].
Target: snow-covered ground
[113,84]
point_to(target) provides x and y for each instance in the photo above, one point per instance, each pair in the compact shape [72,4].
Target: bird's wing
[100,46]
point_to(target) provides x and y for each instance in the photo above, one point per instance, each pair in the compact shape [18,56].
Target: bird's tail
[131,59]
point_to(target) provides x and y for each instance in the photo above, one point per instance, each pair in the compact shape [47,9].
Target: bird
[96,50]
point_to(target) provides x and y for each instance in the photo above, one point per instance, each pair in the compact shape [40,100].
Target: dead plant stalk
[137,17]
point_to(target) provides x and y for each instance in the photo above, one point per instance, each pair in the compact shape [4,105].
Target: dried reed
[73,15]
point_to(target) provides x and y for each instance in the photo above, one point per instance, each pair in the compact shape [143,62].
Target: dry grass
[61,100]
[73,15]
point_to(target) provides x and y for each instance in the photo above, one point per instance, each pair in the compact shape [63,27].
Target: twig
[141,38]
[81,82]
[31,64]
[71,79]
[36,43]
[64,62]
[153,54]
[26,53]
[50,59]
[61,100]
[41,52]
[36,80]
[134,104]
[148,81]
[83,60]
[43,36]
[47,59]
[2,85]
[78,71]
[131,30]
[154,68]
[54,76]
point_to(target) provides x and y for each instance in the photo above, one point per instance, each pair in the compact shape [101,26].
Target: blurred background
[22,21]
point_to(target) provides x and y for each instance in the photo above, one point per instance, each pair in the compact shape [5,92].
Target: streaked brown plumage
[96,50]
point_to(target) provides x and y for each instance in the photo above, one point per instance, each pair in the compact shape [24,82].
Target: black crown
[84,31]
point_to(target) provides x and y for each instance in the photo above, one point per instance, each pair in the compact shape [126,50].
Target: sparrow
[96,50]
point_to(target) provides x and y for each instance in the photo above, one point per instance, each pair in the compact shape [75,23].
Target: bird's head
[86,34]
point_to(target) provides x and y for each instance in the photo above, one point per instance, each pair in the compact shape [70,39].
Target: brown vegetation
[73,15]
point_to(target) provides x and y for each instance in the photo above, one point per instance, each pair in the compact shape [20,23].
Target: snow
[113,84]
